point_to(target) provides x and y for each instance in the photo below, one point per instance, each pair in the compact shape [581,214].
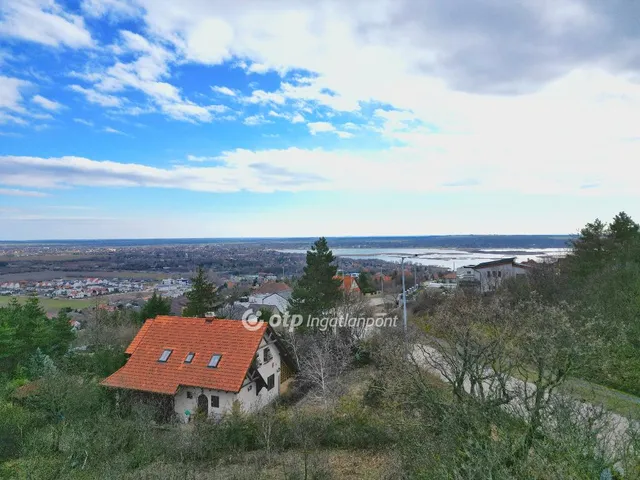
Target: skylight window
[165,355]
[189,358]
[215,360]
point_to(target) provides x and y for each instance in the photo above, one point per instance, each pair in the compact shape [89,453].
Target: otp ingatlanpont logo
[251,321]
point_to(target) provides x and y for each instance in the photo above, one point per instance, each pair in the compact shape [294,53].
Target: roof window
[165,355]
[215,360]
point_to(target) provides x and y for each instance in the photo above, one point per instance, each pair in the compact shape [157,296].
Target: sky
[297,118]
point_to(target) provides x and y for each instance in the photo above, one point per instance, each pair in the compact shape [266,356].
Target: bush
[14,422]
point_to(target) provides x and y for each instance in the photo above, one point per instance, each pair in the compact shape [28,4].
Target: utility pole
[404,301]
[381,282]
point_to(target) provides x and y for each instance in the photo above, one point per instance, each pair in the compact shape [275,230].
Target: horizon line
[48,240]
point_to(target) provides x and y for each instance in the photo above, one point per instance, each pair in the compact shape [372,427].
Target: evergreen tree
[589,249]
[155,306]
[622,229]
[25,329]
[365,282]
[317,292]
[203,296]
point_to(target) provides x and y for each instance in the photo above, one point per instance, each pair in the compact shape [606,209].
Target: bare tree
[466,343]
[552,342]
[323,359]
[353,310]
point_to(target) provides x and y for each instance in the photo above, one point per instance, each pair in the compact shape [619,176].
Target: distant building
[279,301]
[349,284]
[488,276]
[272,287]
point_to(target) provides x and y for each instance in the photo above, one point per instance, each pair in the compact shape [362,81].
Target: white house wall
[182,404]
[488,283]
[246,397]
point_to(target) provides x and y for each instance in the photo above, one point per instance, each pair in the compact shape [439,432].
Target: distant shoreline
[424,241]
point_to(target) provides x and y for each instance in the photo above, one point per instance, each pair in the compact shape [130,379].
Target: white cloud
[46,103]
[196,158]
[209,41]
[573,119]
[97,97]
[404,54]
[224,91]
[115,8]
[262,97]
[316,127]
[442,166]
[113,130]
[146,73]
[342,134]
[8,118]
[21,193]
[255,120]
[11,93]
[322,127]
[43,21]
[82,121]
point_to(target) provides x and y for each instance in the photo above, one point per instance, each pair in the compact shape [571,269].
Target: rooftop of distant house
[496,263]
[273,287]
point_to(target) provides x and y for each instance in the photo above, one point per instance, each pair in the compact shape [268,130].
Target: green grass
[622,403]
[54,304]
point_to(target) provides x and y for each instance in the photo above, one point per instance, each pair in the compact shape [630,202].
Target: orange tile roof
[229,338]
[349,284]
[138,338]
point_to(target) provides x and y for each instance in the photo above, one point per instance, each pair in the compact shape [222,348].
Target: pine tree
[203,296]
[622,229]
[365,282]
[155,306]
[317,292]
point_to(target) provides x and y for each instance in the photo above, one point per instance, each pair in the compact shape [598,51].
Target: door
[203,404]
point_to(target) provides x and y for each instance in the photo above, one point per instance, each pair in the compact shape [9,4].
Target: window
[189,394]
[215,360]
[189,358]
[270,382]
[267,355]
[165,355]
[215,401]
[500,273]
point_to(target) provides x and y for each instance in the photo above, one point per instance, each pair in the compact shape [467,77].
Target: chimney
[209,316]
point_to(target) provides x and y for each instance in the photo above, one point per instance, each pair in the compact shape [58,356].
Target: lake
[446,257]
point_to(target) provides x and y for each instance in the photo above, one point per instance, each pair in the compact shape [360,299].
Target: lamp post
[404,300]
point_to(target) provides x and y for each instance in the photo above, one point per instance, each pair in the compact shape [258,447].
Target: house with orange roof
[349,284]
[205,365]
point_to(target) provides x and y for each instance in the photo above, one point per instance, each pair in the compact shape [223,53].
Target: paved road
[615,429]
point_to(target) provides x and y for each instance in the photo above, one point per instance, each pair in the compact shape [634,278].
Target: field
[55,304]
[46,275]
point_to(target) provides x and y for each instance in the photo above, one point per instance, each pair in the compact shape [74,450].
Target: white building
[205,365]
[277,300]
[490,275]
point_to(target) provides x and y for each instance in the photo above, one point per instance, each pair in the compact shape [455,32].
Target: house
[449,277]
[273,287]
[349,284]
[488,276]
[205,365]
[279,301]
